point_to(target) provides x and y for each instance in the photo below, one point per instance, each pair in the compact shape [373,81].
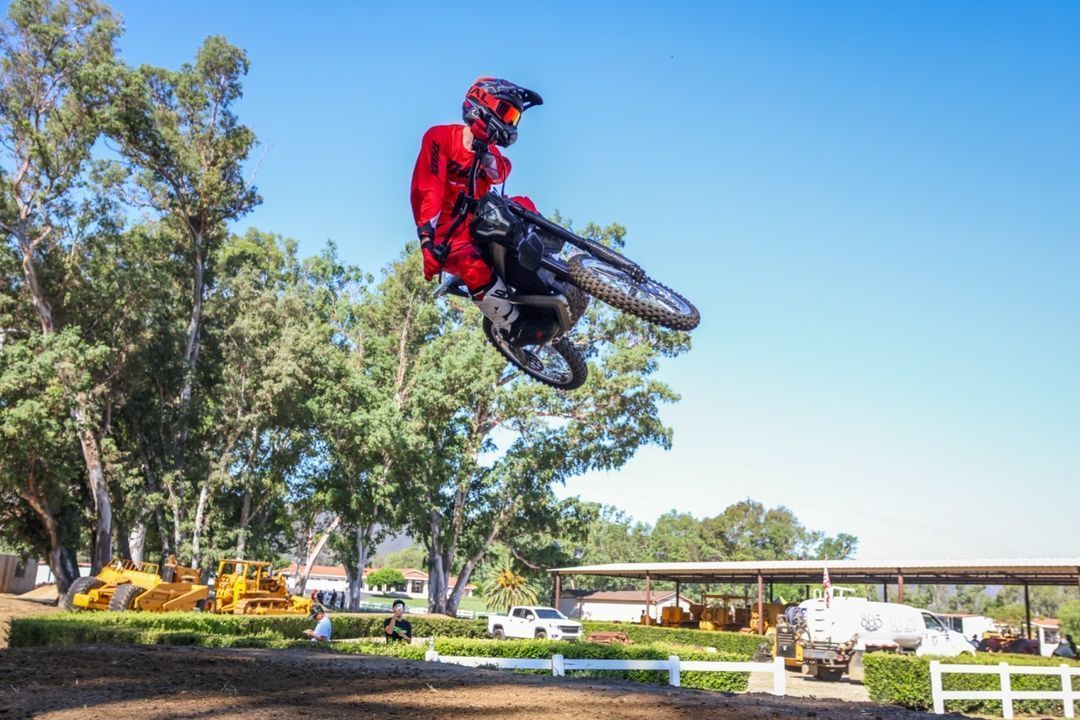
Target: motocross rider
[491,112]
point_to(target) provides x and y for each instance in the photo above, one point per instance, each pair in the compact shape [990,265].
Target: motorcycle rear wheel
[560,364]
[649,300]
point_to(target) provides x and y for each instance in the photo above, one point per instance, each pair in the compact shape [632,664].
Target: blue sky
[875,206]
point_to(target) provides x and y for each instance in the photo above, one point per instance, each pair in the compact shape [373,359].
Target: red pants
[466,260]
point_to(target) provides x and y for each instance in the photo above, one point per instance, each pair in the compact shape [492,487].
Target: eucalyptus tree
[187,150]
[57,65]
[477,450]
[266,346]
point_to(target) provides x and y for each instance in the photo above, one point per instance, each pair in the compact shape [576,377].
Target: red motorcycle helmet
[493,108]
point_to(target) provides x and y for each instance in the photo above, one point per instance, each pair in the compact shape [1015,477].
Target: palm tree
[507,589]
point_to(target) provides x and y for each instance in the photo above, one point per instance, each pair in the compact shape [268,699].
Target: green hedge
[89,626]
[742,644]
[543,649]
[905,680]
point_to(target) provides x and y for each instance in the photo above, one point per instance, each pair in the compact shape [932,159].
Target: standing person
[397,628]
[322,630]
[314,597]
[441,204]
[333,598]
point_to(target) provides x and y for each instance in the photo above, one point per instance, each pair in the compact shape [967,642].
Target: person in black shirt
[396,628]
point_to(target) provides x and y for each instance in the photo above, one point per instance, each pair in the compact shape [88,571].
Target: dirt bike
[548,285]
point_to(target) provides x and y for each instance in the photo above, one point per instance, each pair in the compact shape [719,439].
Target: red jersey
[442,173]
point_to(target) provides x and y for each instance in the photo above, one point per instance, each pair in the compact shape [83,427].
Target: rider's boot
[495,303]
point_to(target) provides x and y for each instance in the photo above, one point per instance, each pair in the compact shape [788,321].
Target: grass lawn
[474,604]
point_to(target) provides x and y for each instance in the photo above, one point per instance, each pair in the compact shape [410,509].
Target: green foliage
[53,629]
[1013,615]
[385,578]
[905,680]
[413,556]
[506,589]
[740,644]
[1069,614]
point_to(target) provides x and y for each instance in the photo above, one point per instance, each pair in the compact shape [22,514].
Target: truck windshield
[549,614]
[932,623]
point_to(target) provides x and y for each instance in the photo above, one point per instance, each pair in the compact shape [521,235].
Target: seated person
[321,633]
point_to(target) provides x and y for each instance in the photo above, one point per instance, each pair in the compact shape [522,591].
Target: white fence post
[558,665]
[673,670]
[935,687]
[1006,692]
[1067,689]
[779,678]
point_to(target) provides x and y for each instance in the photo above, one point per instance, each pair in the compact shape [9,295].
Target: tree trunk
[37,295]
[159,514]
[242,531]
[437,570]
[313,555]
[459,586]
[191,351]
[467,571]
[123,544]
[63,567]
[200,516]
[356,583]
[80,412]
[100,489]
[136,541]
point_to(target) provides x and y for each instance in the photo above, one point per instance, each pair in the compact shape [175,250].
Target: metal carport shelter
[1024,572]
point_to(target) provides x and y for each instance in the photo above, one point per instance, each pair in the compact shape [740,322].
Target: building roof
[325,571]
[338,572]
[1032,571]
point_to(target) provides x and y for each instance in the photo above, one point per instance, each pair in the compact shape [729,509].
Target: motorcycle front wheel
[649,300]
[559,364]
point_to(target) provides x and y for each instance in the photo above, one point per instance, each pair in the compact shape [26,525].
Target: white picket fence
[559,666]
[1006,694]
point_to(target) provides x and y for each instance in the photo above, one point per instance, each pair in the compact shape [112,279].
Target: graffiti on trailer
[871,622]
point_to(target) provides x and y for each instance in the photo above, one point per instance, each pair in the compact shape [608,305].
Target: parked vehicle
[829,639]
[533,622]
[126,585]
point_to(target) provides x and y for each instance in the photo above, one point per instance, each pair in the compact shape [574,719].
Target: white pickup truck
[533,622]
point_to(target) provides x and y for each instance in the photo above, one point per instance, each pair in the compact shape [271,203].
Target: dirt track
[122,682]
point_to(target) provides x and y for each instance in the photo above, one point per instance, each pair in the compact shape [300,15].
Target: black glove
[439,251]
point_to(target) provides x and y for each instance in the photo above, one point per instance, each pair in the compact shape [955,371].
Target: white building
[616,605]
[333,577]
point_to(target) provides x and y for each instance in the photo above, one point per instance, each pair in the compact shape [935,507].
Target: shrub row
[39,630]
[742,644]
[905,680]
[543,649]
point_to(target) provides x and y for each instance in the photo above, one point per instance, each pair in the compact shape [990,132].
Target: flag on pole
[825,583]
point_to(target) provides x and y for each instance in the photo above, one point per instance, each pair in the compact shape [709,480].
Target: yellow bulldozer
[249,587]
[126,585]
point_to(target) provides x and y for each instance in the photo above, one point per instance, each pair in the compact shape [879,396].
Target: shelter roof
[1014,571]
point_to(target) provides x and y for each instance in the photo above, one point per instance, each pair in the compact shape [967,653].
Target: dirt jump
[122,682]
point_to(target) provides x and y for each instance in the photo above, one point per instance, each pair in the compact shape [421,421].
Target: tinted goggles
[504,110]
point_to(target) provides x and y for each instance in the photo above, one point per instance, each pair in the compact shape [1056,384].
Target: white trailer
[834,635]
